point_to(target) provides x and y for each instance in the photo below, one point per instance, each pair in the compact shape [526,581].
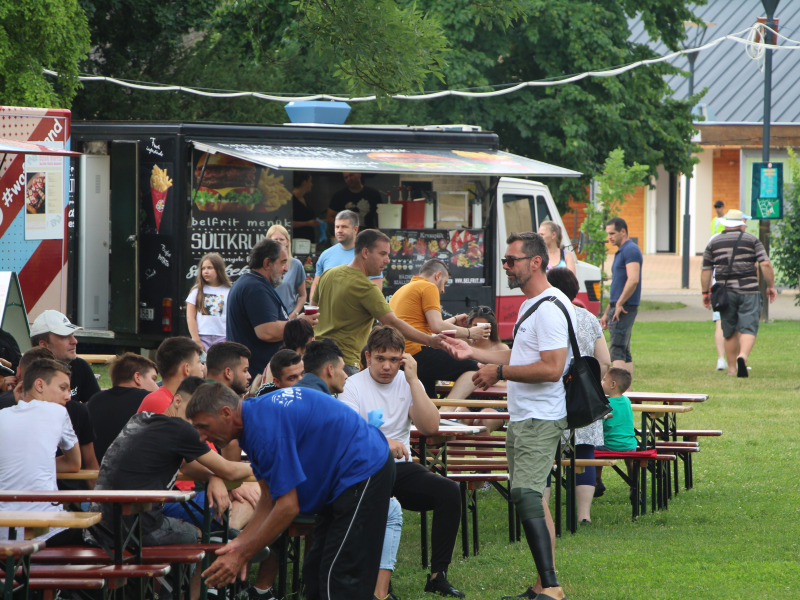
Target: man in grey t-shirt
[740,316]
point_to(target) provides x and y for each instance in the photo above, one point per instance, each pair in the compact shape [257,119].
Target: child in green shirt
[619,434]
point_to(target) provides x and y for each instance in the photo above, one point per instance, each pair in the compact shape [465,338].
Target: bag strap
[733,255]
[572,339]
[527,314]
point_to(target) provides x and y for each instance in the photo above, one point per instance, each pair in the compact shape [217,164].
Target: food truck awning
[387,160]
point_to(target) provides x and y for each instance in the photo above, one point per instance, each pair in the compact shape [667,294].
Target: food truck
[151,198]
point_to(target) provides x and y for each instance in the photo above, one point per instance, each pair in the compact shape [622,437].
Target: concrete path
[661,281]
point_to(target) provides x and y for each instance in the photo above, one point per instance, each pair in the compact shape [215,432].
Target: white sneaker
[722,364]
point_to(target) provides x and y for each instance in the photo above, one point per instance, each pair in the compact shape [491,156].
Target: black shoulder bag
[586,401]
[719,291]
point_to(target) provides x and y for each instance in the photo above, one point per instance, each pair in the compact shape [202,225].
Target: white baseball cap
[52,321]
[734,218]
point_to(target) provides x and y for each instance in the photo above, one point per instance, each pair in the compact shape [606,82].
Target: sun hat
[52,321]
[734,218]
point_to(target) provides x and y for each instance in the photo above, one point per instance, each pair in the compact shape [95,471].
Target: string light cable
[752,38]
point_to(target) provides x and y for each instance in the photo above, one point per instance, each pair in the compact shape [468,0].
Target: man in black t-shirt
[148,454]
[357,197]
[53,330]
[132,378]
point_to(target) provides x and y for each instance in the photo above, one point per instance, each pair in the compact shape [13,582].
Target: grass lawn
[736,534]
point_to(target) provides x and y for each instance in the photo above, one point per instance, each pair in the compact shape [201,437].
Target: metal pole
[687,215]
[764,226]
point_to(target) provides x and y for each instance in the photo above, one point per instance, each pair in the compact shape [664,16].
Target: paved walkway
[661,281]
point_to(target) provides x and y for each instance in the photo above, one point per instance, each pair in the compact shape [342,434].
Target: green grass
[736,533]
[659,305]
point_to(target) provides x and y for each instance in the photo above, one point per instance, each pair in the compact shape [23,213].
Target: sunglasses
[510,260]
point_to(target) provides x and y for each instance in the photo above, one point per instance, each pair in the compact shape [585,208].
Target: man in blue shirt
[625,294]
[311,454]
[256,315]
[345,229]
[324,367]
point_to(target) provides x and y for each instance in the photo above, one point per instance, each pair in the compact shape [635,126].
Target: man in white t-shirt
[31,431]
[536,397]
[380,392]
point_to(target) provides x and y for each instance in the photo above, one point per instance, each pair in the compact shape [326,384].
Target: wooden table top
[97,359]
[14,548]
[665,397]
[470,402]
[82,474]
[39,522]
[99,496]
[661,408]
[454,430]
[491,414]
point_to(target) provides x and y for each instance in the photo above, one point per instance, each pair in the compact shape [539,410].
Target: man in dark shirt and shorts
[625,294]
[740,317]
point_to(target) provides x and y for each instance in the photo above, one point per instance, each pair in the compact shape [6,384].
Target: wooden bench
[643,460]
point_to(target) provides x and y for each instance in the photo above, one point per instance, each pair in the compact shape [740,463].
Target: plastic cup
[451,333]
[310,310]
[483,324]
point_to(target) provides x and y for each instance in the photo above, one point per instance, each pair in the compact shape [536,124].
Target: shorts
[433,364]
[742,314]
[171,531]
[531,449]
[619,341]
[191,510]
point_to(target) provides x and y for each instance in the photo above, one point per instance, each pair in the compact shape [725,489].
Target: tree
[616,182]
[786,245]
[37,35]
[578,124]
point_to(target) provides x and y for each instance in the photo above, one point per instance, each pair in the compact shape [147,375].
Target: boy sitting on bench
[619,434]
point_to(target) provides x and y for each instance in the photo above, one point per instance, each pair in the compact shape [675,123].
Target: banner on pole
[766,197]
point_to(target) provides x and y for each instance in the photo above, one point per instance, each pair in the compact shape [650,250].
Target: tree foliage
[786,233]
[380,46]
[37,35]
[614,184]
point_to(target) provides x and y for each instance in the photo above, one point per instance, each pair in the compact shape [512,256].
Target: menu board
[461,249]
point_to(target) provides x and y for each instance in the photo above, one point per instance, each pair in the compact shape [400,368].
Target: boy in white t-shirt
[403,401]
[31,431]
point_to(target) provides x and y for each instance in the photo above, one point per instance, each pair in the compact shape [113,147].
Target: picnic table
[17,555]
[124,502]
[665,397]
[659,420]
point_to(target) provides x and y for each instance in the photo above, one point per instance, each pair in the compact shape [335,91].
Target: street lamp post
[764,226]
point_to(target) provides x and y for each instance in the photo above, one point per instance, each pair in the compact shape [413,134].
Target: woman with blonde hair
[557,254]
[206,303]
[292,291]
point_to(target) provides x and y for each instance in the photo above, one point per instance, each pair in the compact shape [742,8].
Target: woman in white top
[292,291]
[207,300]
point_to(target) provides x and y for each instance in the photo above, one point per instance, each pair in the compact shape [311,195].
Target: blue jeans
[391,539]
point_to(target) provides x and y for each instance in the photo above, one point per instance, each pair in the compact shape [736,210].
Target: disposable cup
[449,333]
[310,310]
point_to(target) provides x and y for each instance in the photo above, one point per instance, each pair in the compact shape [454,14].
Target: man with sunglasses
[536,397]
[418,303]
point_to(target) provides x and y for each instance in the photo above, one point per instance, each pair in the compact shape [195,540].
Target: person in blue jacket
[310,454]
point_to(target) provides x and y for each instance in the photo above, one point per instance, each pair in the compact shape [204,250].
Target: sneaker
[440,585]
[252,594]
[722,364]
[529,593]
[391,596]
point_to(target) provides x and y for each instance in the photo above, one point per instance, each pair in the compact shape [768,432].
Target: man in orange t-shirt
[418,303]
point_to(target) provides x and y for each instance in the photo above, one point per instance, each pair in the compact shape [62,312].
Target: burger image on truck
[461,197]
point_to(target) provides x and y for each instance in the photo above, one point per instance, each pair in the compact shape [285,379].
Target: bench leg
[462,485]
[423,532]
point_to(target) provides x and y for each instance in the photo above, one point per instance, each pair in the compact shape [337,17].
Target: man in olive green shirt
[349,302]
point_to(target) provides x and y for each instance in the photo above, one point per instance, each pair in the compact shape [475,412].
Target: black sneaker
[252,594]
[529,593]
[440,585]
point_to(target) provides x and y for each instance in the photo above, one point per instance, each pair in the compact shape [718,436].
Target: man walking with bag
[536,396]
[739,278]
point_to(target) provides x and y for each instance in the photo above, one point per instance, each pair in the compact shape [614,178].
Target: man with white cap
[53,330]
[740,277]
